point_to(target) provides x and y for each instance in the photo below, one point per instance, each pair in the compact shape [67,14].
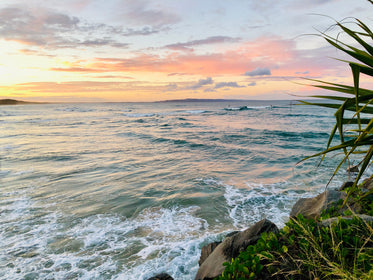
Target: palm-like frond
[359,127]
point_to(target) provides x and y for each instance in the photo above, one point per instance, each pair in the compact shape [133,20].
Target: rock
[328,222]
[209,248]
[353,169]
[367,184]
[232,233]
[231,247]
[345,186]
[312,207]
[162,276]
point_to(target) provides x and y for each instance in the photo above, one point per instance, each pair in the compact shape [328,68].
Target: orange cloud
[280,57]
[264,52]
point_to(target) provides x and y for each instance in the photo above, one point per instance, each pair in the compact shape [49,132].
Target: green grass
[304,249]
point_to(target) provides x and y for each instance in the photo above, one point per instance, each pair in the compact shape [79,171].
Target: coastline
[19,102]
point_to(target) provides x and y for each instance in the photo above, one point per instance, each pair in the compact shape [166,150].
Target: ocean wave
[180,142]
[7,114]
[299,115]
[292,135]
[100,246]
[9,147]
[250,204]
[197,112]
[139,115]
[50,157]
[259,201]
[244,108]
[79,109]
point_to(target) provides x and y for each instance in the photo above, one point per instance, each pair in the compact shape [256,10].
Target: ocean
[129,190]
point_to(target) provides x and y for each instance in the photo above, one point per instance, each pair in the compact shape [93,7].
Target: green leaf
[284,249]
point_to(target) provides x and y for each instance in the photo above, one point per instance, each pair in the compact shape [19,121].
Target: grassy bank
[321,248]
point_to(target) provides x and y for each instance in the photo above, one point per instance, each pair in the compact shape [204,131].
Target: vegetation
[15,102]
[353,104]
[342,248]
[305,249]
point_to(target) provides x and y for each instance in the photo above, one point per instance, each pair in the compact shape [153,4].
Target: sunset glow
[124,50]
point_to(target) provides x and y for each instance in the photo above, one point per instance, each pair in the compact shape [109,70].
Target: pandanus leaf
[354,132]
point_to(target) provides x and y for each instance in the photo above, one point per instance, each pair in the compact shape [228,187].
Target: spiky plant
[356,132]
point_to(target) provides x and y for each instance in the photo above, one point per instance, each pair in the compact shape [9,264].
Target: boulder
[345,185]
[162,276]
[207,249]
[313,207]
[367,184]
[231,247]
[353,169]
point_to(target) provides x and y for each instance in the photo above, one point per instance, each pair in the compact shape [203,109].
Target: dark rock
[313,207]
[367,184]
[207,250]
[232,233]
[162,276]
[345,186]
[231,247]
[353,169]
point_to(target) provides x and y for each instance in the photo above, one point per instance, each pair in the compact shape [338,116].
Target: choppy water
[124,191]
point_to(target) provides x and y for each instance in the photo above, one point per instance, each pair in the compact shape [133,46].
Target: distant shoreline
[18,102]
[186,100]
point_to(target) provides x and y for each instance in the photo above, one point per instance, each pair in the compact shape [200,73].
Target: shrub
[304,249]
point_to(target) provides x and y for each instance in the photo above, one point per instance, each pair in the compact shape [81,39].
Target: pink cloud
[278,57]
[263,52]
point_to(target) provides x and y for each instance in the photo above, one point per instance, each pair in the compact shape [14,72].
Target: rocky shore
[213,255]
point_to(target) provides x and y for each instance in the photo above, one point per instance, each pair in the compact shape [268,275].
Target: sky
[142,50]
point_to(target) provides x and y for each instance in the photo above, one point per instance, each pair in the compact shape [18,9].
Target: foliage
[353,104]
[249,263]
[304,249]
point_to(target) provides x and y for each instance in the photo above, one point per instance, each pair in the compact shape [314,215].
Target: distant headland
[17,102]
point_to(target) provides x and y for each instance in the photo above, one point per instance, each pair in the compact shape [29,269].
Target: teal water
[127,190]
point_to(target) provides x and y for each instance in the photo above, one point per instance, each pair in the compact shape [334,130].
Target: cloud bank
[228,84]
[258,72]
[201,83]
[209,40]
[53,30]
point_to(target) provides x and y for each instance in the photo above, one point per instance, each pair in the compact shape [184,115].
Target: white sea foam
[243,108]
[4,173]
[258,201]
[24,172]
[196,111]
[172,239]
[139,115]
[249,205]
[100,246]
[76,109]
